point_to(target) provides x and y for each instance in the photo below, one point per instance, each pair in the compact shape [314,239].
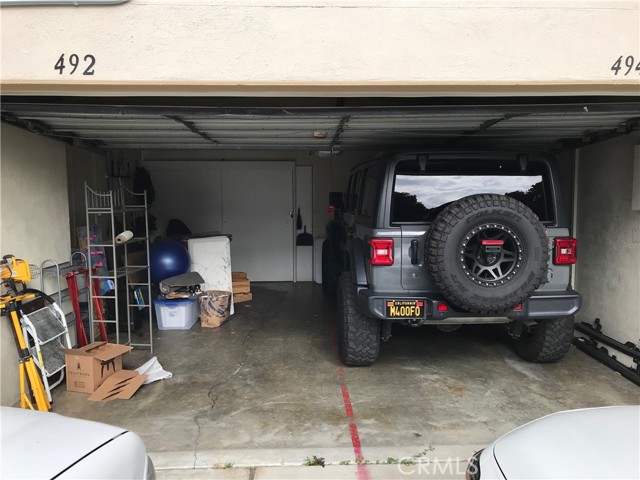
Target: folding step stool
[47,334]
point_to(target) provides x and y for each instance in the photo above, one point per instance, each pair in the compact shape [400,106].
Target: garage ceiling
[534,126]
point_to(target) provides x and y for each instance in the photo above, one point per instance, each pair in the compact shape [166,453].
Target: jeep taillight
[381,251]
[565,251]
[442,307]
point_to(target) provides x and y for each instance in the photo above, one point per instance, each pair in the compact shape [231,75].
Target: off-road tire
[330,270]
[445,243]
[548,341]
[358,334]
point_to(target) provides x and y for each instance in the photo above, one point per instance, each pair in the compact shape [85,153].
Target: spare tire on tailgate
[487,253]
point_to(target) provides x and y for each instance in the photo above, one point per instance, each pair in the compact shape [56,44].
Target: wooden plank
[242,287]
[242,297]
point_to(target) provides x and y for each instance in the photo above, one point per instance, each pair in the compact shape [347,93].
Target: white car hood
[578,444]
[53,441]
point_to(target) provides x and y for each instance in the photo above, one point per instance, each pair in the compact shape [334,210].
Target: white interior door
[257,206]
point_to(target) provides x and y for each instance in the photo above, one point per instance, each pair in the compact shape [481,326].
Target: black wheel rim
[491,254]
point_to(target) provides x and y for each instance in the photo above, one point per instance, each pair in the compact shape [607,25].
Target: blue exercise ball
[168,258]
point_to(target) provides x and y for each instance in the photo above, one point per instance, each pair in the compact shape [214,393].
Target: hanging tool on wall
[15,275]
[299,220]
[304,238]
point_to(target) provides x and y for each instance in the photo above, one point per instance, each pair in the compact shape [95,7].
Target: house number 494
[625,65]
[86,64]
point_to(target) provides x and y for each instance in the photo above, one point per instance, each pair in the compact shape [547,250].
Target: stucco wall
[35,219]
[608,232]
[347,46]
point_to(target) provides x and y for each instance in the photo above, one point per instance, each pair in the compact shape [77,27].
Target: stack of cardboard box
[241,287]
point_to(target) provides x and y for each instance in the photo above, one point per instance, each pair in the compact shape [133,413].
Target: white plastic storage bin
[178,314]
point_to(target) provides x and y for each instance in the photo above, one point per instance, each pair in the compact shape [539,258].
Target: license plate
[405,308]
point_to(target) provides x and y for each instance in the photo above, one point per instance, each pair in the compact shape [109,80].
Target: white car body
[47,445]
[594,443]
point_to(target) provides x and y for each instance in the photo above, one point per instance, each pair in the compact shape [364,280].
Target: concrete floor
[266,389]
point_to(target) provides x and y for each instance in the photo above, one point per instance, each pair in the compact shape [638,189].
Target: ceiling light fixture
[328,153]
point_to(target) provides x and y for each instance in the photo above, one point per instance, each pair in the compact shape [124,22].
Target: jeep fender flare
[357,262]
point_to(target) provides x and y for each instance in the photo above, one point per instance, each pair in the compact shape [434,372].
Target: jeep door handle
[413,252]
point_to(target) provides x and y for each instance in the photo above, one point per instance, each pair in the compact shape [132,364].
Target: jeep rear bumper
[539,306]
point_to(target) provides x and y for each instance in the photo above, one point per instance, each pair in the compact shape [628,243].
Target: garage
[266,394]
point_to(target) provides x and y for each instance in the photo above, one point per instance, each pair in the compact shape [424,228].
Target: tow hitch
[515,329]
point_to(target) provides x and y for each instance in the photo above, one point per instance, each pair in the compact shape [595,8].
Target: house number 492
[73,62]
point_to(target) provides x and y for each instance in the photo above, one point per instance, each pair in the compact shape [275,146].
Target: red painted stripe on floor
[355,439]
[348,408]
[362,471]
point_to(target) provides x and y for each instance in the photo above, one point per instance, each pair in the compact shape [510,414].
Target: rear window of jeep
[419,196]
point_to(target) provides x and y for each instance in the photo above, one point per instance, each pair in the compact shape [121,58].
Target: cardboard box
[241,286]
[89,366]
[121,385]
[242,297]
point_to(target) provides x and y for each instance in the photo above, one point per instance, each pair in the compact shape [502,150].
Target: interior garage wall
[608,232]
[565,165]
[35,219]
[329,174]
[83,166]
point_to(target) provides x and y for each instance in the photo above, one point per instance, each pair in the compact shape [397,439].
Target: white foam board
[211,258]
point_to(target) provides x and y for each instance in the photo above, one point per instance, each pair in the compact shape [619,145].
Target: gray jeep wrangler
[447,239]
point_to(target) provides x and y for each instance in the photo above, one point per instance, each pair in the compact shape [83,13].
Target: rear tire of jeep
[548,341]
[487,253]
[330,270]
[358,334]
